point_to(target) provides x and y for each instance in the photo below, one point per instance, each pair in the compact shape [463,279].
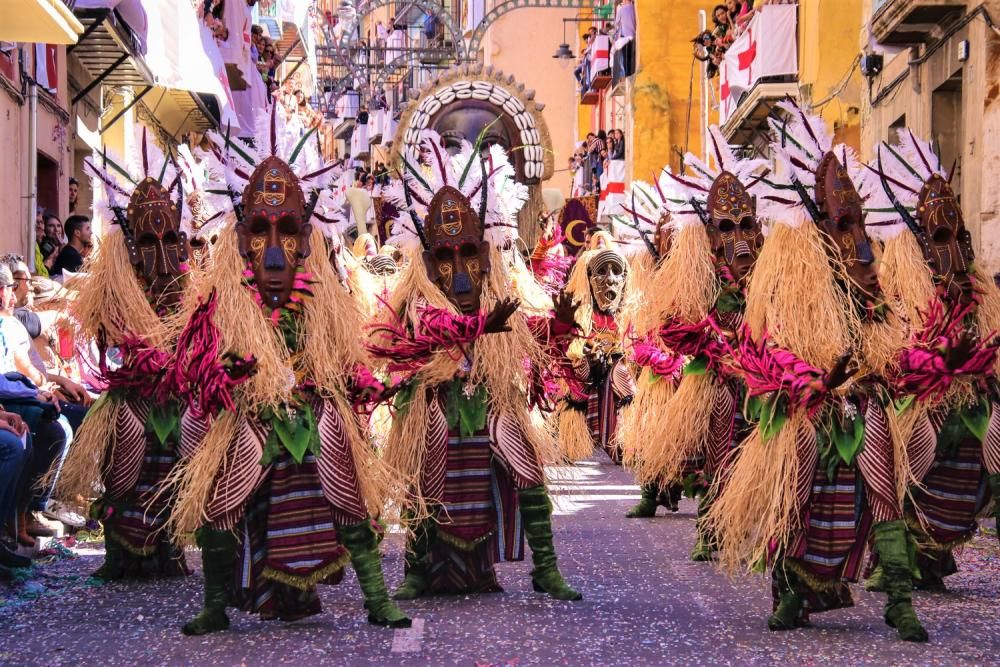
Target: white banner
[600,54]
[180,62]
[767,47]
[612,190]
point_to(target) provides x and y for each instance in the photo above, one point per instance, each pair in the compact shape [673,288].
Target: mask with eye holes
[733,228]
[842,222]
[157,249]
[607,271]
[457,257]
[663,237]
[948,244]
[273,235]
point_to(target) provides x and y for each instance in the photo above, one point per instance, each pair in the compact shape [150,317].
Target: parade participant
[129,298]
[282,486]
[824,444]
[588,417]
[928,267]
[719,235]
[463,441]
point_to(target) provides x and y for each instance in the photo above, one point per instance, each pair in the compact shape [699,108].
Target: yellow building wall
[664,86]
[522,43]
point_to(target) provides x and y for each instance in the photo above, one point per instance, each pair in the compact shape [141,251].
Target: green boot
[416,581]
[536,513]
[994,481]
[704,546]
[361,542]
[786,614]
[876,582]
[890,543]
[218,562]
[646,508]
[113,567]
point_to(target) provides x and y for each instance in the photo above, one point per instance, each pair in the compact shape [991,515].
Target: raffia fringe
[817,584]
[642,419]
[758,504]
[82,472]
[575,439]
[193,481]
[305,583]
[680,431]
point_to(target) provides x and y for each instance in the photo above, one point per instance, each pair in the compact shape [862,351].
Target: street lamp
[564,54]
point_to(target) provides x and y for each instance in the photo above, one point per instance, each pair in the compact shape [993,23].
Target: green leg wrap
[113,567]
[361,542]
[704,546]
[417,579]
[890,543]
[218,562]
[536,513]
[646,508]
[786,615]
[876,582]
[994,481]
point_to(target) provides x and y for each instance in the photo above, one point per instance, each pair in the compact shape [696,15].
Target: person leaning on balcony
[625,20]
[582,69]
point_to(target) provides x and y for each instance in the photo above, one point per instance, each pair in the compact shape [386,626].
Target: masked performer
[462,440]
[953,312]
[602,382]
[718,237]
[821,471]
[129,299]
[282,486]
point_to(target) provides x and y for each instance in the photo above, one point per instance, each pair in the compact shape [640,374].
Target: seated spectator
[38,409]
[13,457]
[78,237]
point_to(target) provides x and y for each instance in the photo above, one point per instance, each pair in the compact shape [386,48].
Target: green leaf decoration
[403,399]
[903,404]
[653,376]
[696,366]
[772,418]
[164,422]
[467,413]
[848,438]
[272,449]
[977,419]
[297,433]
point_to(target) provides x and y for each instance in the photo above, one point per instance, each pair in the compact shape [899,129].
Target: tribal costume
[129,299]
[462,441]
[822,470]
[954,449]
[281,486]
[588,417]
[718,236]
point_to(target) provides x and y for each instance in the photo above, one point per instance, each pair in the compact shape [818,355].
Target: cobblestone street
[645,604]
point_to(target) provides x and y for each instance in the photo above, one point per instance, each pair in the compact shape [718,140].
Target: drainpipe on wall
[32,170]
[702,24]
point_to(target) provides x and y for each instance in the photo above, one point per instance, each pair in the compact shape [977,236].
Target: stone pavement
[644,603]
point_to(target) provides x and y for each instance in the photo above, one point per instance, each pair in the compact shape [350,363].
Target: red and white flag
[46,70]
[612,190]
[600,54]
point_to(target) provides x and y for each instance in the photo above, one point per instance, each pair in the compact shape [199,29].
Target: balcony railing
[765,53]
[901,22]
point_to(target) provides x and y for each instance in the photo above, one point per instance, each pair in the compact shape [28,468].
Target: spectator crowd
[729,21]
[592,159]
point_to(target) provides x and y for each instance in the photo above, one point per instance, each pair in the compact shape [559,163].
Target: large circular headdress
[472,101]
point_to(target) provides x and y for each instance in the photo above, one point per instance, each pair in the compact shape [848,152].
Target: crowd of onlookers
[46,386]
[592,158]
[729,20]
[620,35]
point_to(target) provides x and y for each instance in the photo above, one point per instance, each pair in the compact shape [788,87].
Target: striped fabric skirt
[830,551]
[289,543]
[478,523]
[952,495]
[602,418]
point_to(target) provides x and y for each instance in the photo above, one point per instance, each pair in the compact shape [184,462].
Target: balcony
[758,71]
[902,22]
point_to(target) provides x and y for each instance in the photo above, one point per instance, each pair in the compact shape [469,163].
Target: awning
[39,21]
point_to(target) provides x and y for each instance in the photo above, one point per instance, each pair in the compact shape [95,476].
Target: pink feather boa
[437,330]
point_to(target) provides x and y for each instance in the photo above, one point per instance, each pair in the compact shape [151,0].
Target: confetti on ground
[644,604]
